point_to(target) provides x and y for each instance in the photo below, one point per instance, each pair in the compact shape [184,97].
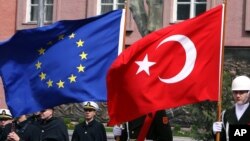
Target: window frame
[29,8]
[192,11]
[115,5]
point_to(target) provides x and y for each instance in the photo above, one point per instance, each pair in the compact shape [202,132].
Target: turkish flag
[171,67]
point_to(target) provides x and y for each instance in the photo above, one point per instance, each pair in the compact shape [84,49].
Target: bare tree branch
[139,14]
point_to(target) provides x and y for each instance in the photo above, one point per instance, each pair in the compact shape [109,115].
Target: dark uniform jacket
[54,129]
[94,131]
[25,130]
[230,117]
[1,131]
[160,129]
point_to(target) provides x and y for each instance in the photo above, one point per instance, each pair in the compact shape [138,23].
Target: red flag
[171,67]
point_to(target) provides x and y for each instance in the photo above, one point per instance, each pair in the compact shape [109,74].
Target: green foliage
[177,128]
[66,120]
[109,129]
[178,131]
[68,123]
[81,120]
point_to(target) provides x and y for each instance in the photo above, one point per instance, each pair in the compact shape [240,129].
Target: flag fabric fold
[171,67]
[65,62]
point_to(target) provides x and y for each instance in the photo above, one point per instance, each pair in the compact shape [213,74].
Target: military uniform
[54,129]
[229,118]
[93,131]
[90,129]
[160,129]
[5,116]
[25,130]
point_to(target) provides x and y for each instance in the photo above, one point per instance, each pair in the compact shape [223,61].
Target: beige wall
[247,16]
[236,34]
[2,97]
[7,18]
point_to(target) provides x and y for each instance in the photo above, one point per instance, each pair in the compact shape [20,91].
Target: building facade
[22,14]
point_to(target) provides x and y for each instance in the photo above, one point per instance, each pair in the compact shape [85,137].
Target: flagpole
[222,60]
[123,47]
[40,19]
[125,23]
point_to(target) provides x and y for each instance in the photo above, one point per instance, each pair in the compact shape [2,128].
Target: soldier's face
[241,97]
[89,114]
[46,114]
[4,122]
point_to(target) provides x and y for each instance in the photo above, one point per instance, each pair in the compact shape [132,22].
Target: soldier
[21,130]
[160,129]
[35,118]
[53,128]
[239,114]
[5,118]
[90,129]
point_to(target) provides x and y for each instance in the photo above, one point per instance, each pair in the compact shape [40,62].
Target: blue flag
[65,62]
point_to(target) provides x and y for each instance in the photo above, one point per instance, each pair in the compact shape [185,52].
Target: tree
[147,20]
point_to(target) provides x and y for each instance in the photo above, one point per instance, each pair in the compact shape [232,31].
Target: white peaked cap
[5,114]
[90,105]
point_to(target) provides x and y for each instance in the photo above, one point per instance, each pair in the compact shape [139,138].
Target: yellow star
[80,43]
[50,83]
[72,78]
[80,68]
[50,43]
[38,65]
[83,55]
[41,51]
[60,84]
[72,35]
[61,37]
[42,76]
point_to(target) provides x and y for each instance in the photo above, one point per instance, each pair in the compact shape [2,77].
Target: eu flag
[65,62]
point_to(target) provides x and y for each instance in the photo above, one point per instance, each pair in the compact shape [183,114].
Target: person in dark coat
[5,118]
[21,130]
[239,114]
[35,118]
[160,129]
[90,129]
[53,128]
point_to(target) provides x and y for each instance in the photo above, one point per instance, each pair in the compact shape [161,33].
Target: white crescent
[191,55]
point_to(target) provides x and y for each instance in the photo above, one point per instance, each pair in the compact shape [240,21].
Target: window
[109,5]
[32,14]
[185,9]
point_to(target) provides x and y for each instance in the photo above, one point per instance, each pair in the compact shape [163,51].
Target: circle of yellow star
[61,37]
[42,76]
[60,84]
[79,43]
[80,68]
[83,55]
[49,83]
[41,51]
[72,78]
[72,35]
[38,65]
